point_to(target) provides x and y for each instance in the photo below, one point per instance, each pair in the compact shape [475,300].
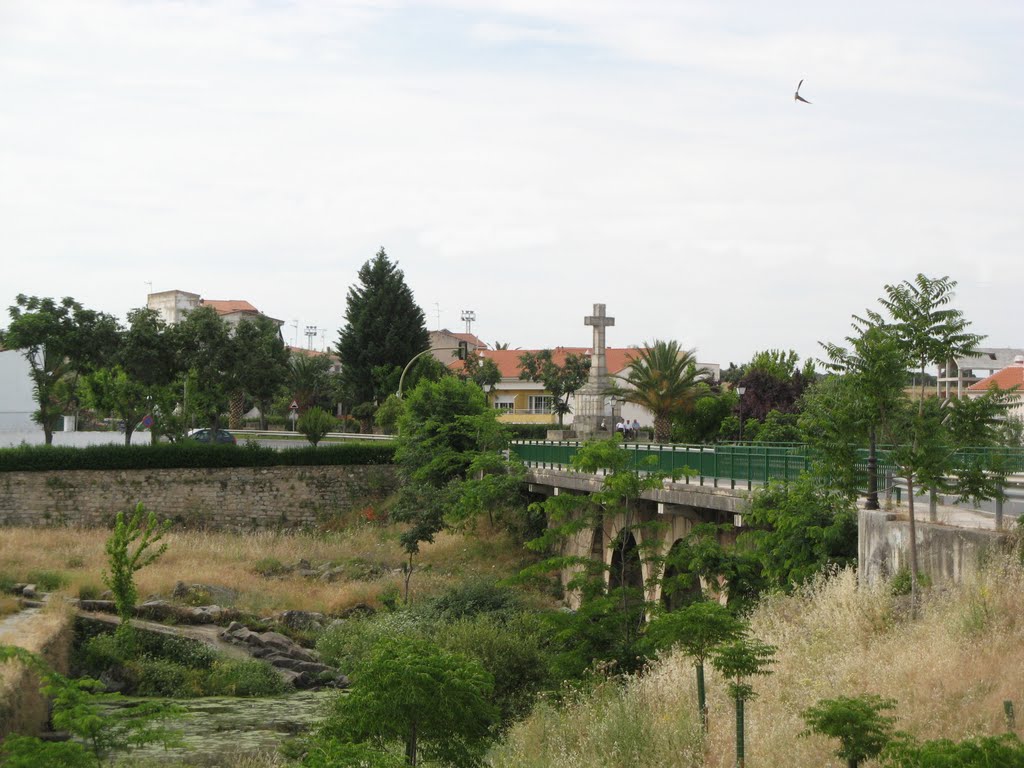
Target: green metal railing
[739,464]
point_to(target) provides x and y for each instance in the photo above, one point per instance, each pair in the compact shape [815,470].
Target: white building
[1008,378]
[17,403]
[958,374]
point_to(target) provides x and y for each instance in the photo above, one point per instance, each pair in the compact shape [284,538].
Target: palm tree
[663,378]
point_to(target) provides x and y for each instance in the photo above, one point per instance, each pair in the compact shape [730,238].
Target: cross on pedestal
[598,365]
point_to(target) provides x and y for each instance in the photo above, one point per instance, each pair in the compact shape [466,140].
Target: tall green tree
[436,704]
[142,365]
[449,443]
[663,378]
[561,381]
[738,661]
[383,327]
[58,340]
[206,350]
[261,362]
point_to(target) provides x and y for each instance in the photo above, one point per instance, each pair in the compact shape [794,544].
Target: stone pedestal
[595,415]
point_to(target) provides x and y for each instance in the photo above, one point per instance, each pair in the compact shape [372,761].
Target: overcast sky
[520,158]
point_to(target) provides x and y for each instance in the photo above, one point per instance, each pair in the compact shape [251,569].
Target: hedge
[529,431]
[188,455]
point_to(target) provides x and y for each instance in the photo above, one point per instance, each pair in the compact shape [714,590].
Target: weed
[47,581]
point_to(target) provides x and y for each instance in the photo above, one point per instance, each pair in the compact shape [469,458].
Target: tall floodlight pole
[310,334]
[468,317]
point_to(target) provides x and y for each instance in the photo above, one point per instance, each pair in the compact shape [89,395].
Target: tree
[315,424]
[261,361]
[129,549]
[798,528]
[561,381]
[703,424]
[664,379]
[738,661]
[383,327]
[839,416]
[857,721]
[697,630]
[308,379]
[207,352]
[447,437]
[772,381]
[58,340]
[410,691]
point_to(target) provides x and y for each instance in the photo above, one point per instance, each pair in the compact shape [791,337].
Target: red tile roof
[1012,376]
[229,306]
[507,360]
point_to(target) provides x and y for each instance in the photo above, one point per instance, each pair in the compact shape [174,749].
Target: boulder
[301,619]
[204,594]
[29,591]
[100,606]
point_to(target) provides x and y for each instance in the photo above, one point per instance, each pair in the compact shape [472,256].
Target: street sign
[294,406]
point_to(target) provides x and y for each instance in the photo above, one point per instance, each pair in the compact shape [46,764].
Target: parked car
[212,436]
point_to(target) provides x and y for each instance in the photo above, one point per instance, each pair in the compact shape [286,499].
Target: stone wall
[234,498]
[944,552]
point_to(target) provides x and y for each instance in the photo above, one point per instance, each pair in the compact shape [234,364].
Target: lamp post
[740,391]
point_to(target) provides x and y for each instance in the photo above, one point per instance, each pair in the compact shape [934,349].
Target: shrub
[346,645]
[7,582]
[162,677]
[99,654]
[245,678]
[47,581]
[269,566]
[475,597]
[180,650]
[43,458]
[900,582]
[512,651]
[315,423]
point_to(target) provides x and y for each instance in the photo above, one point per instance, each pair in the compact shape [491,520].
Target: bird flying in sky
[797,96]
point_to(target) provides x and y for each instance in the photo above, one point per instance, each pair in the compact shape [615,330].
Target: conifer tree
[384,329]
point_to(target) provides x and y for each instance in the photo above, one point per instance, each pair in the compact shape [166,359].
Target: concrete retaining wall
[237,498]
[23,707]
[944,553]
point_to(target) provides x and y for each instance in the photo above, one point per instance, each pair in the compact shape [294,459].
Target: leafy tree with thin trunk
[261,362]
[206,350]
[697,630]
[59,340]
[857,721]
[384,327]
[738,661]
[664,379]
[561,381]
[409,691]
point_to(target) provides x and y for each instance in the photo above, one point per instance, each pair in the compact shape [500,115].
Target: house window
[542,403]
[505,405]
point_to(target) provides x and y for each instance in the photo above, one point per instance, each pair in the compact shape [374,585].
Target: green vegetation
[857,721]
[130,548]
[664,379]
[411,692]
[315,424]
[561,381]
[384,329]
[38,458]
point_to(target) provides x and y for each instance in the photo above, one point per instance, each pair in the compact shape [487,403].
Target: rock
[17,589]
[204,594]
[290,676]
[332,575]
[29,591]
[100,606]
[301,619]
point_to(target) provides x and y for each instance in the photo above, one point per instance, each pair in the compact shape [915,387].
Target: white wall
[16,401]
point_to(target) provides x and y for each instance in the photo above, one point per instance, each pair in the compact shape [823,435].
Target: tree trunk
[913,544]
[47,432]
[236,410]
[740,757]
[702,701]
[872,501]
[408,576]
[129,428]
[662,428]
[410,747]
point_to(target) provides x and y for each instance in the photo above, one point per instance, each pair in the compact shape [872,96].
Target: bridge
[712,484]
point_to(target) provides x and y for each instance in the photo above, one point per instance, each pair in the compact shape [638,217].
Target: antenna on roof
[437,311]
[295,325]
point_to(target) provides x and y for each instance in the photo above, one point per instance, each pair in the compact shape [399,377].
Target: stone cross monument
[592,397]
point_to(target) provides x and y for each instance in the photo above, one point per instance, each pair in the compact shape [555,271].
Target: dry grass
[949,671]
[229,559]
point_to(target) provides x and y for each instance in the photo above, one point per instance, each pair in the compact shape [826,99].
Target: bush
[47,581]
[269,566]
[511,650]
[345,645]
[315,423]
[475,597]
[161,677]
[900,582]
[43,458]
[529,431]
[245,678]
[180,650]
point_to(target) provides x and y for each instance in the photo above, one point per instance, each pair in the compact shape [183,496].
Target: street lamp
[740,391]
